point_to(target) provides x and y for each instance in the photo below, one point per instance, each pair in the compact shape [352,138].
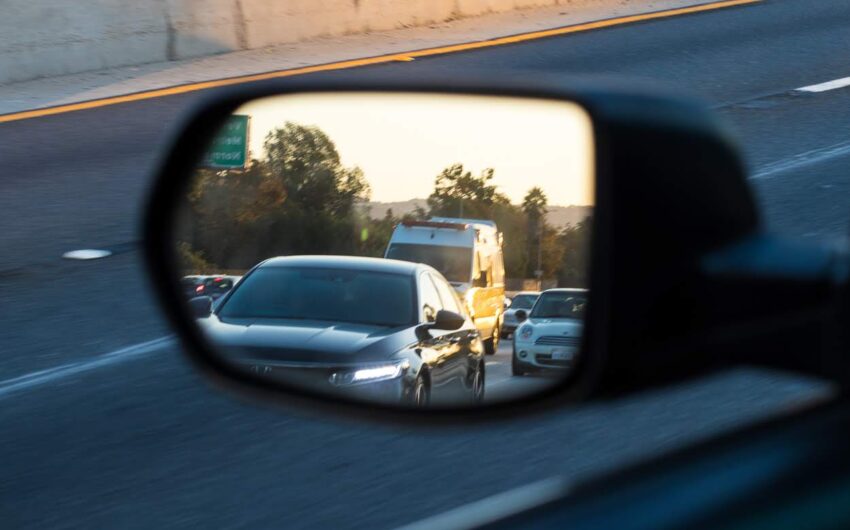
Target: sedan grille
[557,340]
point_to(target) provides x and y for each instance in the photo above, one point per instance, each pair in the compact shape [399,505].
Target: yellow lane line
[381,59]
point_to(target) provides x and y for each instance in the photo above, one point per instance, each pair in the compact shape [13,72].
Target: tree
[374,234]
[298,199]
[575,262]
[534,203]
[305,161]
[458,193]
[534,206]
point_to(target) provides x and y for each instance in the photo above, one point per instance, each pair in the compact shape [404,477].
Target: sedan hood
[306,341]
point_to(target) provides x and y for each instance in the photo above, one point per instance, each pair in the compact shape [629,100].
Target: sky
[402,141]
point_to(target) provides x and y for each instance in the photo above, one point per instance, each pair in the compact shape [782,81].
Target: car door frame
[460,340]
[439,366]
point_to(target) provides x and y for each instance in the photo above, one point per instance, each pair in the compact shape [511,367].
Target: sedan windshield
[559,305]
[336,295]
[455,263]
[523,301]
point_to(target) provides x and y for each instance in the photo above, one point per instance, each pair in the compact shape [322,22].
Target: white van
[468,252]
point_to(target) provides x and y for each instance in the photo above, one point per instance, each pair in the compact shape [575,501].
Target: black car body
[192,285]
[214,286]
[352,325]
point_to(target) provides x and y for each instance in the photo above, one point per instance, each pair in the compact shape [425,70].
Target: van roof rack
[485,222]
[436,224]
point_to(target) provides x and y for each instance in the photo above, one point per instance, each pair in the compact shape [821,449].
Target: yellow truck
[468,252]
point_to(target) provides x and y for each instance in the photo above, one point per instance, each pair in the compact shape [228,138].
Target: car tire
[420,396]
[491,345]
[478,384]
[516,369]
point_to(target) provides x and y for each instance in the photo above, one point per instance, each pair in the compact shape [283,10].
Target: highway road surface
[105,425]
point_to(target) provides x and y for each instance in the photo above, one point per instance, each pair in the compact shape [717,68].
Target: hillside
[557,216]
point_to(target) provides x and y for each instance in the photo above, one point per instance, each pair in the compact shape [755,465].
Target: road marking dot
[87,254]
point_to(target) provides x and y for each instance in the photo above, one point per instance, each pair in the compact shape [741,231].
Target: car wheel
[421,394]
[491,345]
[516,369]
[478,380]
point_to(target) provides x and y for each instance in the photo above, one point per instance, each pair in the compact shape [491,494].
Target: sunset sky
[402,141]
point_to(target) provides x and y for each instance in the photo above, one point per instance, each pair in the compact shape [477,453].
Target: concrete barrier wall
[42,38]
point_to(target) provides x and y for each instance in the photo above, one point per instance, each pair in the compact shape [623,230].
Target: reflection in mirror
[416,249]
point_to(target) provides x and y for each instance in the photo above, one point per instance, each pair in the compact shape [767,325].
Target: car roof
[565,290]
[348,262]
[531,293]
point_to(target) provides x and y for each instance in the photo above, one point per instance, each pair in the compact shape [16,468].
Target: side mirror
[201,306]
[447,320]
[508,303]
[670,236]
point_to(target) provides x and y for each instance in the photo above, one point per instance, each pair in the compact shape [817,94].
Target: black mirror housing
[201,306]
[671,206]
[448,320]
[521,315]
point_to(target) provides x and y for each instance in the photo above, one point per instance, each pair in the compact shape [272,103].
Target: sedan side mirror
[521,315]
[201,306]
[445,320]
[448,320]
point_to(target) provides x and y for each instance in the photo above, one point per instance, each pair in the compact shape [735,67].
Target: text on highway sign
[229,149]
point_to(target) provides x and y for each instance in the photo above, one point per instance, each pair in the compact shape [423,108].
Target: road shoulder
[63,90]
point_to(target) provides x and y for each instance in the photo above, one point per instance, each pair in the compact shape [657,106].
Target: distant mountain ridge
[557,215]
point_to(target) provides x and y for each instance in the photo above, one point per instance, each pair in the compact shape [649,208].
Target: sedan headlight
[525,332]
[369,374]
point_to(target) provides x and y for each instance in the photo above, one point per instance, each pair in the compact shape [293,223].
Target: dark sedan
[376,328]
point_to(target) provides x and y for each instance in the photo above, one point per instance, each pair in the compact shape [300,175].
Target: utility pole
[539,271]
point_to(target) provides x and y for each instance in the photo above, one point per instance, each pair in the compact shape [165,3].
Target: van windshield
[455,263]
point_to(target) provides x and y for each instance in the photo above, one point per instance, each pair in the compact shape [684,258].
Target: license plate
[562,354]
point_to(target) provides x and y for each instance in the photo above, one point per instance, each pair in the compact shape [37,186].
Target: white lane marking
[492,509]
[829,85]
[41,377]
[86,254]
[802,160]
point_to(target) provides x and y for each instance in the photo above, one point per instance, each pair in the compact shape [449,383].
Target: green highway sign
[229,148]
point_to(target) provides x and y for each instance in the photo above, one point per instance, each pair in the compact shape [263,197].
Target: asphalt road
[137,439]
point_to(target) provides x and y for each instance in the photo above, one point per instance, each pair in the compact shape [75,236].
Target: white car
[549,336]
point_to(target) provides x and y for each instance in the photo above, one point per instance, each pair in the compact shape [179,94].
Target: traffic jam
[419,325]
[308,258]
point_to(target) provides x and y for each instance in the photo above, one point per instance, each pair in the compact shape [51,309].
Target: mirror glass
[377,246]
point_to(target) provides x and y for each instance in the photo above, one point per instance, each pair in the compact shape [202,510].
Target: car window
[452,262]
[498,270]
[447,295]
[523,301]
[429,301]
[483,275]
[559,305]
[351,296]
